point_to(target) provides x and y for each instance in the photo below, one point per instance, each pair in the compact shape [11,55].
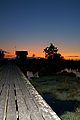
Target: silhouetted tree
[51,52]
[1,53]
[54,59]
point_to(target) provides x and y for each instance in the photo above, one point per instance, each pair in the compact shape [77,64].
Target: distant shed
[21,54]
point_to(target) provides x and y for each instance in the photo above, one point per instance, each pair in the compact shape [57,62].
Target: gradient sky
[33,24]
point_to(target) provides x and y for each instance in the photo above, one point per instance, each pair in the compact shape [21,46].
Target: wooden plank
[24,114]
[2,80]
[36,116]
[3,100]
[26,95]
[3,93]
[29,100]
[11,110]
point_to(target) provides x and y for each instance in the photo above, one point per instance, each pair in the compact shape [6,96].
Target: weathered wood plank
[24,113]
[3,103]
[19,100]
[11,109]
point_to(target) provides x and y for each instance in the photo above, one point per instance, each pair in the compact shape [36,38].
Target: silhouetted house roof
[21,54]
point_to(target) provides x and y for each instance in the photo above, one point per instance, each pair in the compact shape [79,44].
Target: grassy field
[62,88]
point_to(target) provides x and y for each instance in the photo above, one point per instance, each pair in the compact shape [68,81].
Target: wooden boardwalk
[18,98]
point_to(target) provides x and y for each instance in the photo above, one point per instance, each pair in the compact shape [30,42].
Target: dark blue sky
[32,24]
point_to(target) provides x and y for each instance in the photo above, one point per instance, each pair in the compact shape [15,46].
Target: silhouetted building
[1,53]
[21,54]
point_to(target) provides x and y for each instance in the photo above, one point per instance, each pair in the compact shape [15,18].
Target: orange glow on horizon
[41,54]
[10,56]
[30,54]
[72,57]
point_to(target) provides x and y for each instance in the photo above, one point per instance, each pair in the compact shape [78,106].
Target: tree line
[52,63]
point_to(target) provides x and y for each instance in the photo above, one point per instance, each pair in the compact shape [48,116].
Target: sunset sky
[32,24]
